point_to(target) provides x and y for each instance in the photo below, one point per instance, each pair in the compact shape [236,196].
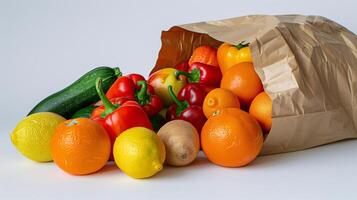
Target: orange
[243,81]
[261,109]
[204,54]
[231,138]
[80,146]
[218,99]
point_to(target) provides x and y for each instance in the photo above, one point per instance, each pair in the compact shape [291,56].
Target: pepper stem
[181,105]
[242,45]
[193,77]
[142,95]
[109,107]
[179,73]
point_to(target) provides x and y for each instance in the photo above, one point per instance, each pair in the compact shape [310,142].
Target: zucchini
[79,94]
[85,112]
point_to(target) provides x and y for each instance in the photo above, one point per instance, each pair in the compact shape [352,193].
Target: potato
[182,142]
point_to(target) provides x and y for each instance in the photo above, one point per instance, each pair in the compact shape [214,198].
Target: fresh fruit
[32,135]
[229,55]
[231,138]
[182,142]
[79,94]
[80,146]
[219,99]
[261,110]
[243,81]
[139,152]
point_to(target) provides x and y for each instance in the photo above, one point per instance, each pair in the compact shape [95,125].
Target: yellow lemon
[139,152]
[32,135]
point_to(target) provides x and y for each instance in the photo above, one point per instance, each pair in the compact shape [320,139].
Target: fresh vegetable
[151,103]
[204,54]
[136,78]
[79,94]
[157,121]
[244,82]
[117,119]
[32,135]
[229,55]
[85,112]
[219,99]
[134,87]
[182,142]
[182,66]
[80,146]
[161,79]
[203,74]
[183,110]
[231,138]
[193,93]
[122,87]
[139,152]
[100,109]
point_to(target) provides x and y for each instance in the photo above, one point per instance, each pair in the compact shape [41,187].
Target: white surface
[45,45]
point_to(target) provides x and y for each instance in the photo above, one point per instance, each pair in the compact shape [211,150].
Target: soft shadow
[109,168]
[297,156]
[174,172]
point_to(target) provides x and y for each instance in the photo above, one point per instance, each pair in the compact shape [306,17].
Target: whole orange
[80,146]
[243,81]
[231,138]
[218,99]
[261,110]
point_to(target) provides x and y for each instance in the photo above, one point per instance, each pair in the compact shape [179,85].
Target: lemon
[32,135]
[139,152]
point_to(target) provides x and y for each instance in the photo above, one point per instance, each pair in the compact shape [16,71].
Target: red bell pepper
[136,78]
[203,74]
[151,103]
[100,109]
[116,119]
[184,111]
[122,87]
[194,93]
[128,87]
[183,66]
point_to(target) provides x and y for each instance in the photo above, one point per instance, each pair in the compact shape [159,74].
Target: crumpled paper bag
[307,64]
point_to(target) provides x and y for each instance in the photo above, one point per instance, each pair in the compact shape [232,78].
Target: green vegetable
[79,94]
[85,112]
[157,122]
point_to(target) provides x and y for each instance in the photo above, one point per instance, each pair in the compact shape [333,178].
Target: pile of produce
[214,101]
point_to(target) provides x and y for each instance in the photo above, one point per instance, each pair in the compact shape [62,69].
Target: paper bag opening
[307,64]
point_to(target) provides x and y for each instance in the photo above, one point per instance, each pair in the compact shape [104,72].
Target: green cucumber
[85,112]
[79,94]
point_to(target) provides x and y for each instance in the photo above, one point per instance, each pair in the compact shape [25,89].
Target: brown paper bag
[308,66]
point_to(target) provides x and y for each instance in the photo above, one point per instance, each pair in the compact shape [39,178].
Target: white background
[45,45]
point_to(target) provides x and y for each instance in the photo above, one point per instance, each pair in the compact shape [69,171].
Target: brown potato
[182,142]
